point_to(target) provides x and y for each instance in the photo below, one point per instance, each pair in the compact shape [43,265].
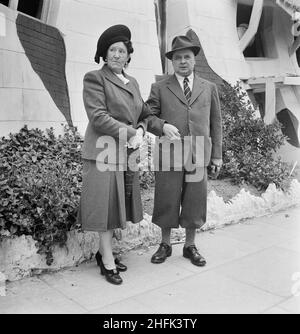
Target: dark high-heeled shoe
[112,276]
[119,265]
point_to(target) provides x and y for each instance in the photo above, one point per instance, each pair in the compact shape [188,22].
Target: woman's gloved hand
[137,140]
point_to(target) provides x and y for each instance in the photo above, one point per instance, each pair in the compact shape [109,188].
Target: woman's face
[117,56]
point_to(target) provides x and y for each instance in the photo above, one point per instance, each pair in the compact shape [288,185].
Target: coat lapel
[198,88]
[175,88]
[114,79]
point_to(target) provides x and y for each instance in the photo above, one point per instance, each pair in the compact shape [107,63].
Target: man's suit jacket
[112,105]
[200,117]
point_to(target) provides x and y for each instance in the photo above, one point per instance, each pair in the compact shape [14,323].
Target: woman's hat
[181,43]
[114,34]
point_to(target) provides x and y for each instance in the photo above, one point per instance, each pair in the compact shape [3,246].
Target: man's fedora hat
[114,34]
[181,43]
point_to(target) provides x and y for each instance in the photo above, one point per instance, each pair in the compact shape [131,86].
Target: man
[190,108]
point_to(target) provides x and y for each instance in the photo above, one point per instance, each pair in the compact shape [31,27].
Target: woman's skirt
[103,205]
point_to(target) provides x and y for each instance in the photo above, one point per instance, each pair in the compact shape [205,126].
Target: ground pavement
[253,267]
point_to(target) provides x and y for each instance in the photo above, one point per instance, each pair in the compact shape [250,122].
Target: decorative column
[2,25]
[270,113]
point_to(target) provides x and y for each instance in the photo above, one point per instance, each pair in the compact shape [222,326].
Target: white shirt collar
[122,78]
[181,78]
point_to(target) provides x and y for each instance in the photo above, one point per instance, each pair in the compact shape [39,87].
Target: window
[256,47]
[44,10]
[290,126]
[243,14]
[260,99]
[298,50]
[4,2]
[32,7]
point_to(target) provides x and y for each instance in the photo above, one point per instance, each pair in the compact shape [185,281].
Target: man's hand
[216,165]
[171,132]
[137,140]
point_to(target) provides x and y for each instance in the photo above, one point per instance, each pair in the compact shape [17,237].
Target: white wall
[214,22]
[23,97]
[83,22]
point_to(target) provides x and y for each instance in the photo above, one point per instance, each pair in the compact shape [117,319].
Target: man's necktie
[187,90]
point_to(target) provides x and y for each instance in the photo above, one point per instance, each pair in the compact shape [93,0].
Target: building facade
[46,47]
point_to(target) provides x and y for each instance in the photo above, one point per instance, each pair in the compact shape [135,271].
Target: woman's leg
[105,249]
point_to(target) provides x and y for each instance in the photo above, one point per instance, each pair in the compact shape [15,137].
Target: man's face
[184,62]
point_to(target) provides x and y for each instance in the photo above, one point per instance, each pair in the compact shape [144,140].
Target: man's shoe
[162,253]
[192,253]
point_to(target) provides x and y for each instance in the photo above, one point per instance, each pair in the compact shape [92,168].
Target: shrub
[40,179]
[40,185]
[147,179]
[249,145]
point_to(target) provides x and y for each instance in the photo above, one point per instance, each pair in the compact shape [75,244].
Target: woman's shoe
[98,258]
[112,276]
[120,266]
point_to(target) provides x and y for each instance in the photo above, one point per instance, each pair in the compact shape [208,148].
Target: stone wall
[19,258]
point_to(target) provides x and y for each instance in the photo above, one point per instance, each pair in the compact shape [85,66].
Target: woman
[115,110]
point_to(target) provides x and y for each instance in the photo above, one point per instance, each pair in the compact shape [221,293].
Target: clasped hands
[170,131]
[136,141]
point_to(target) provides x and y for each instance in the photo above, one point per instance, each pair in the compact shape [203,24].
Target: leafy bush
[249,145]
[40,185]
[147,179]
[40,179]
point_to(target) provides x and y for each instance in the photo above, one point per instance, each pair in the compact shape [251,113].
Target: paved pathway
[251,267]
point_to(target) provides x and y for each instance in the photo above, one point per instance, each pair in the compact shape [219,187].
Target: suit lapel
[175,88]
[198,88]
[114,79]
